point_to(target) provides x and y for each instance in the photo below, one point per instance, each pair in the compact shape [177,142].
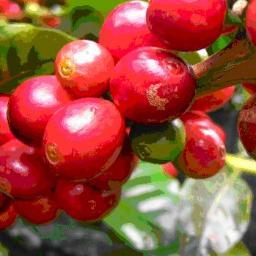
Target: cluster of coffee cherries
[72,139]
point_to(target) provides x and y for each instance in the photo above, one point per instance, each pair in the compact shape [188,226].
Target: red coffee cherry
[125,29]
[251,22]
[204,153]
[84,67]
[247,126]
[84,138]
[40,210]
[119,172]
[151,85]
[251,88]
[5,133]
[51,21]
[23,174]
[201,119]
[8,215]
[213,101]
[187,25]
[170,170]
[10,9]
[84,203]
[31,106]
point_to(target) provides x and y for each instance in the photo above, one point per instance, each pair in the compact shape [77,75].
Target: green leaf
[3,250]
[238,250]
[214,213]
[25,51]
[102,6]
[149,201]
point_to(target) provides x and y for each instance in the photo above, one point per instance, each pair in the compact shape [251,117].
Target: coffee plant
[105,119]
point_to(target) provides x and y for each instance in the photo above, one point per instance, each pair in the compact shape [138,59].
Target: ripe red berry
[51,21]
[247,126]
[125,29]
[84,203]
[119,172]
[10,9]
[23,174]
[251,21]
[170,170]
[201,119]
[84,138]
[8,215]
[31,106]
[84,67]
[187,25]
[40,210]
[204,153]
[251,88]
[5,133]
[151,85]
[213,101]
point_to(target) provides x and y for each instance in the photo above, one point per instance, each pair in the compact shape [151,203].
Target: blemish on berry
[66,68]
[52,153]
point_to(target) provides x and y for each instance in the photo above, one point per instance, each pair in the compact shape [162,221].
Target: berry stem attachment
[233,65]
[241,164]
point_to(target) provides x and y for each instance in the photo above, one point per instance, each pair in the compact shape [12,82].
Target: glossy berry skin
[40,210]
[8,215]
[201,119]
[151,85]
[158,143]
[251,88]
[119,172]
[187,25]
[10,9]
[84,203]
[170,170]
[247,126]
[125,29]
[251,22]
[204,153]
[84,138]
[23,174]
[213,101]
[84,67]
[31,106]
[5,133]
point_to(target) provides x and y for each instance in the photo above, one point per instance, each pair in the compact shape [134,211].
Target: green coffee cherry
[158,143]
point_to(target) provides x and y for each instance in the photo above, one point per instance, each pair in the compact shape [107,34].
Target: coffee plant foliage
[157,215]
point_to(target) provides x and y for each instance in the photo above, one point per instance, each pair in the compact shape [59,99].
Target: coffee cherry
[213,101]
[84,138]
[119,172]
[31,106]
[251,88]
[250,21]
[23,174]
[14,145]
[8,215]
[204,153]
[247,126]
[201,119]
[125,29]
[40,210]
[84,203]
[151,85]
[51,21]
[5,133]
[84,67]
[10,9]
[170,170]
[187,25]
[158,143]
